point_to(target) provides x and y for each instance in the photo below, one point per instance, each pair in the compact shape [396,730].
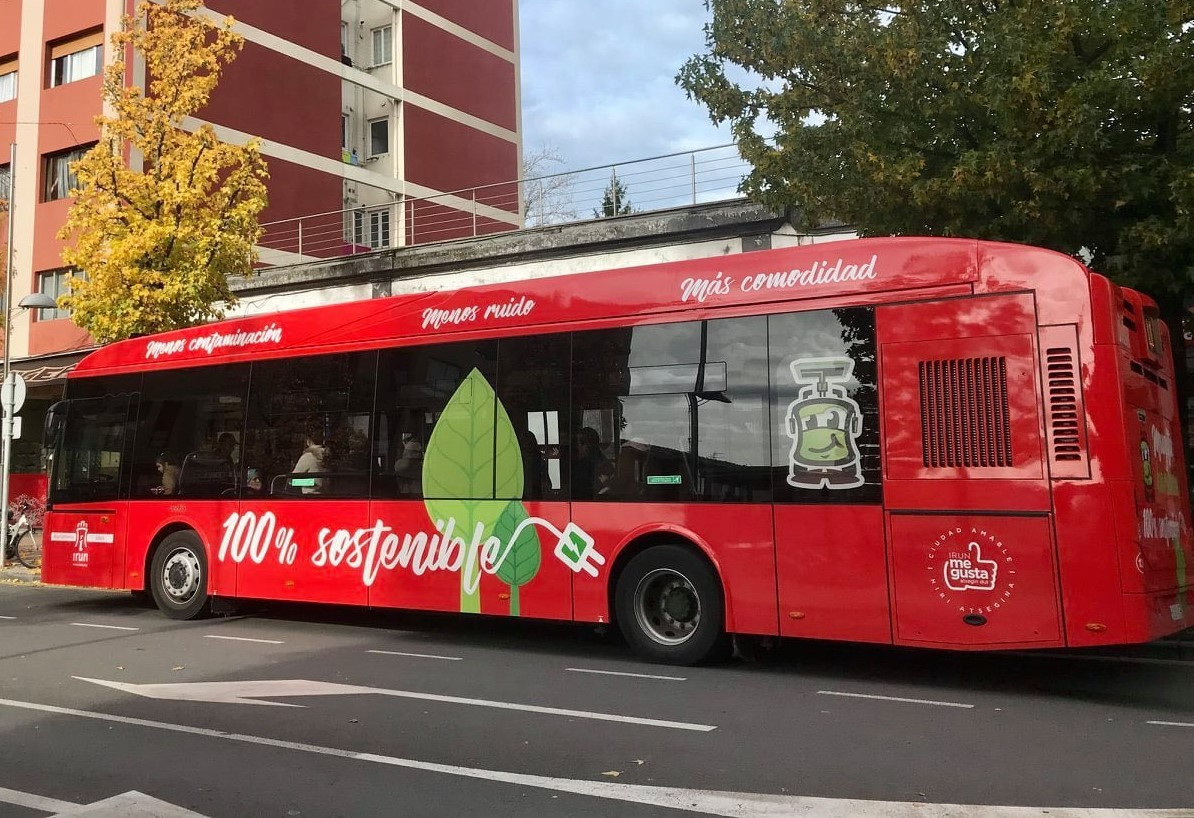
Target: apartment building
[399,120]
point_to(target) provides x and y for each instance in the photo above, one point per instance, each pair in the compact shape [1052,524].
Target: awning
[48,369]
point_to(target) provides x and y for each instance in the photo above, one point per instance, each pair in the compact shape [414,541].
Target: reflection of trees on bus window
[693,411]
[414,385]
[328,399]
[186,412]
[682,408]
[826,334]
[532,385]
[98,426]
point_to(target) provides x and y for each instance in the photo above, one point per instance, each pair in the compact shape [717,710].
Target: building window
[8,80]
[54,284]
[5,186]
[371,228]
[383,45]
[59,178]
[379,136]
[343,39]
[77,59]
[344,131]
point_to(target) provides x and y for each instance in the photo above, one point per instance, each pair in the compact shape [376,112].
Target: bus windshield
[88,469]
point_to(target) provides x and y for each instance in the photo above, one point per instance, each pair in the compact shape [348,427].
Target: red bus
[930,442]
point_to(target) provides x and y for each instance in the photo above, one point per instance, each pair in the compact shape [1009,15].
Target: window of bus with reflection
[825,406]
[672,412]
[307,431]
[416,387]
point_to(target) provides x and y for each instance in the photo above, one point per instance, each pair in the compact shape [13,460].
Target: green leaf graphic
[522,563]
[458,463]
[508,471]
[459,466]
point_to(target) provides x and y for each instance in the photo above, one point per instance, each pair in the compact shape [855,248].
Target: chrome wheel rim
[667,607]
[181,575]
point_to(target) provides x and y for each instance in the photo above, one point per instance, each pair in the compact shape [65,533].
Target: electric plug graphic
[575,549]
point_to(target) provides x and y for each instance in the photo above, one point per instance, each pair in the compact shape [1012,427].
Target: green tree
[614,202]
[1065,124]
[158,244]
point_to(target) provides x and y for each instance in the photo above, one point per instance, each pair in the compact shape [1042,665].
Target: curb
[19,576]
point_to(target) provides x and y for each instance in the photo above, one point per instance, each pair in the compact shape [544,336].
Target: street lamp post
[8,384]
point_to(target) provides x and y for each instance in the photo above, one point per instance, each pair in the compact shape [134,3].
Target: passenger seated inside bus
[408,467]
[225,448]
[253,486]
[310,462]
[167,466]
[534,466]
[591,469]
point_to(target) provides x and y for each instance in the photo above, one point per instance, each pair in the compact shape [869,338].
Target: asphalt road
[363,713]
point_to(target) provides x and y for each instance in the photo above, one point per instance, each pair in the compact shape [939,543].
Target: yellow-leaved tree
[156,244]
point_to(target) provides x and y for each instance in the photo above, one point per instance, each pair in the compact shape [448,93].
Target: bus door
[827,487]
[468,492]
[970,544]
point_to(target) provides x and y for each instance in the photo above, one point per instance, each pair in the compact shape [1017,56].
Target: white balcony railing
[656,183]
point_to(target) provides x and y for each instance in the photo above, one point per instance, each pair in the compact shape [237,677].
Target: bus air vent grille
[965,418]
[1065,433]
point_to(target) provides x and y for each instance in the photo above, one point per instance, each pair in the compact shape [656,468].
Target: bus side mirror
[55,416]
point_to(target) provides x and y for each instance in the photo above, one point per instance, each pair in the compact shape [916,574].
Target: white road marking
[893,699]
[707,802]
[131,804]
[1172,723]
[109,627]
[243,639]
[30,801]
[251,691]
[118,806]
[632,675]
[417,655]
[7,617]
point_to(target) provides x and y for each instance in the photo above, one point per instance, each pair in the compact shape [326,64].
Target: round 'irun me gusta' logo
[970,569]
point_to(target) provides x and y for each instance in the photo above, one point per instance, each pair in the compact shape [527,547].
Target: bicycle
[23,544]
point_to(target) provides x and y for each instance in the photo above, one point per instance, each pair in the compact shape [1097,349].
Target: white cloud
[598,79]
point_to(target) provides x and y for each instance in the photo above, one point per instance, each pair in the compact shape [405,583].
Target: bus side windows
[418,388]
[309,424]
[532,386]
[198,416]
[681,406]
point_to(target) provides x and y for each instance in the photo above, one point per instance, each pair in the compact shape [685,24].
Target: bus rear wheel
[178,577]
[668,605]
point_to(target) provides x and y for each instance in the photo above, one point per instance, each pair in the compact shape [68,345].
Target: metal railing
[656,183]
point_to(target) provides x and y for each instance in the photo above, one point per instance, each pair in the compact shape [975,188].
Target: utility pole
[6,390]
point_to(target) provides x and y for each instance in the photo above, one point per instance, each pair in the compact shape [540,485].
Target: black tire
[668,604]
[28,551]
[178,577]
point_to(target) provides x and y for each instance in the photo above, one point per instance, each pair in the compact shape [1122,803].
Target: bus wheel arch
[668,599]
[177,573]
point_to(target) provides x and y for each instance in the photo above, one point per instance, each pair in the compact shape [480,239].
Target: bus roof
[851,271]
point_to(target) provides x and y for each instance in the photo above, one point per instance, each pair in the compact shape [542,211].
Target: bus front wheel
[178,576]
[668,605]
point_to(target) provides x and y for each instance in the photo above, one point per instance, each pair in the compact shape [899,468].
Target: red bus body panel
[1082,538]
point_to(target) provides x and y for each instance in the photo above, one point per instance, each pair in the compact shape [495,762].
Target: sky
[598,80]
